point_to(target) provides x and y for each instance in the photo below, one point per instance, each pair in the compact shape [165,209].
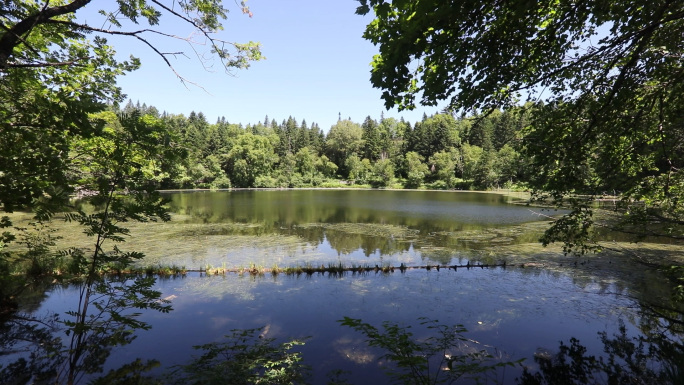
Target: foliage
[605,74]
[210,145]
[433,360]
[131,373]
[382,173]
[326,167]
[247,357]
[416,170]
[444,167]
[52,82]
[434,134]
[41,111]
[38,259]
[117,168]
[251,156]
[23,20]
[471,156]
[343,140]
[359,169]
[52,78]
[508,163]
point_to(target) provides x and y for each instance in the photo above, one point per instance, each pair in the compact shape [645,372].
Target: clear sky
[317,66]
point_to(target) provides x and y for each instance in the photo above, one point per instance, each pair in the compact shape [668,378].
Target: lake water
[350,226]
[512,312]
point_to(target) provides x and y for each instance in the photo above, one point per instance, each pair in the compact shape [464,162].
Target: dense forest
[441,151]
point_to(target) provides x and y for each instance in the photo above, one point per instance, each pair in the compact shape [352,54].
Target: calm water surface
[349,226]
[513,311]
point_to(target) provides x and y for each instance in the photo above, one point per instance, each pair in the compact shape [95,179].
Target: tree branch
[76,62]
[14,36]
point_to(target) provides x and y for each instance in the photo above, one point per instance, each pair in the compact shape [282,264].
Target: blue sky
[318,65]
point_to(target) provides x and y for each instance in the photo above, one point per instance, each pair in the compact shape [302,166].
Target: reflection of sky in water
[516,311]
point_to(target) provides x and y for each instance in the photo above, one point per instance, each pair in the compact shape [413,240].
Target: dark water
[511,312]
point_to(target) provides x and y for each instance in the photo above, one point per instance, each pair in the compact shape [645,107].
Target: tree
[359,170]
[52,77]
[124,158]
[486,175]
[606,74]
[508,164]
[416,170]
[444,166]
[383,173]
[305,163]
[372,148]
[250,157]
[26,25]
[326,167]
[343,140]
[53,82]
[470,156]
[118,169]
[434,134]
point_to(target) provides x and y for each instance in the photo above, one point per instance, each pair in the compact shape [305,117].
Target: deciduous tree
[607,76]
[52,77]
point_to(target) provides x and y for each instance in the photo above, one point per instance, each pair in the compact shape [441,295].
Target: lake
[537,300]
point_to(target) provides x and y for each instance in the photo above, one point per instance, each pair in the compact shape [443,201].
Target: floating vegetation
[217,229]
[367,229]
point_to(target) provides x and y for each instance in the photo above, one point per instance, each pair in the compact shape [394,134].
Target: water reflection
[422,210]
[516,311]
[408,226]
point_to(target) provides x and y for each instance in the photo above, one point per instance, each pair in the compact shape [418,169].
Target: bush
[221,182]
[267,181]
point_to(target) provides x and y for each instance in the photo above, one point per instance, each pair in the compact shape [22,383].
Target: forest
[440,152]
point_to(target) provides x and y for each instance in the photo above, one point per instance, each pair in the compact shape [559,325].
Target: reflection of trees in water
[346,243]
[285,212]
[655,357]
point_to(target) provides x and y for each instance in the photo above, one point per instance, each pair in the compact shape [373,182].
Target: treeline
[440,151]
